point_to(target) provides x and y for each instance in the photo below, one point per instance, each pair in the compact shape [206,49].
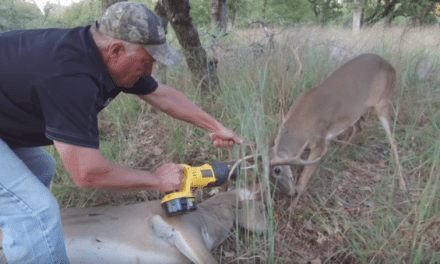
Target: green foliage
[422,11]
[9,19]
[87,12]
[19,15]
[240,12]
[29,14]
[16,15]
[22,15]
[298,11]
[326,10]
[200,12]
[235,8]
[83,13]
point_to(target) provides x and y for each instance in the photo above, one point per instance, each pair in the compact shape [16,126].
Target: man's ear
[115,50]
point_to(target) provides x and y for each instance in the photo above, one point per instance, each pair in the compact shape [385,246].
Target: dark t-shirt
[53,83]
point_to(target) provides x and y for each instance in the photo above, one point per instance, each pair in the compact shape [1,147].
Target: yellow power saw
[207,175]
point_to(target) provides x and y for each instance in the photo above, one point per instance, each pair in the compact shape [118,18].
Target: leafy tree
[326,10]
[357,16]
[9,17]
[200,12]
[28,13]
[16,15]
[421,11]
[236,8]
[218,14]
[240,11]
[298,11]
[83,13]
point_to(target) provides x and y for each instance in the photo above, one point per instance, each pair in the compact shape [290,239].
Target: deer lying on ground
[321,113]
[140,233]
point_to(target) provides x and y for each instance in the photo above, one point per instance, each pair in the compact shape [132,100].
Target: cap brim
[163,53]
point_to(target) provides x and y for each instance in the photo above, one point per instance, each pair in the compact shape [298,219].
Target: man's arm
[176,105]
[89,169]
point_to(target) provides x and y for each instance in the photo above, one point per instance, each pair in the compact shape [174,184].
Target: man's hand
[224,138]
[170,175]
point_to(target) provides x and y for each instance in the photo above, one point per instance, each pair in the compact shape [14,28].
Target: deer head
[286,151]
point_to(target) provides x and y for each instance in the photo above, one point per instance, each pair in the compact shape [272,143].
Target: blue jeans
[29,214]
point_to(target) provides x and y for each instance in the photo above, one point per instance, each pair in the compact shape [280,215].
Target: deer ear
[251,215]
[258,191]
[271,152]
[246,194]
[254,192]
[274,159]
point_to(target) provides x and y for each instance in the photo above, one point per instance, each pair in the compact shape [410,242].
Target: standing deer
[140,233]
[321,113]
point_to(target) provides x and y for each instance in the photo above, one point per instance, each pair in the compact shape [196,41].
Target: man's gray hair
[104,41]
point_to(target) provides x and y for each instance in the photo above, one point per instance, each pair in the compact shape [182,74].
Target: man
[53,83]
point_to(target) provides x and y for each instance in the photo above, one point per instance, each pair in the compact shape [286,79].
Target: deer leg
[309,171]
[357,127]
[348,143]
[385,121]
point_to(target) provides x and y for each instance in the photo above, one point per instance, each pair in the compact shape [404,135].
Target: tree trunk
[215,9]
[388,10]
[357,16]
[232,21]
[218,14]
[222,14]
[202,68]
[107,3]
[263,10]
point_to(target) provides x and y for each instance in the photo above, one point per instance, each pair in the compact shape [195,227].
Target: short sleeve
[69,105]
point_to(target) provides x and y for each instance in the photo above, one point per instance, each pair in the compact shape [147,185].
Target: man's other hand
[224,138]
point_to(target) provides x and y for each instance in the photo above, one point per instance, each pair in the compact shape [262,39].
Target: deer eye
[277,170]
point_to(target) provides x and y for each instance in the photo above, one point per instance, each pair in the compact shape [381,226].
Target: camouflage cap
[135,23]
